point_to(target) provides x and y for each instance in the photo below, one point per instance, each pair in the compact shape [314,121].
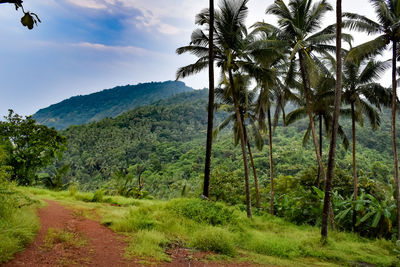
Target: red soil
[103,247]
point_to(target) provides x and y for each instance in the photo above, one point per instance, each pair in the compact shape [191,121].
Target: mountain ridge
[81,109]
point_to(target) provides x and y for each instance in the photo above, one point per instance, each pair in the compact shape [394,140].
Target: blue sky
[83,46]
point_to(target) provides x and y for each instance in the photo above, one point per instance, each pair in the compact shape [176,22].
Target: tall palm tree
[322,97]
[265,63]
[361,92]
[388,28]
[246,99]
[210,123]
[229,44]
[327,210]
[299,26]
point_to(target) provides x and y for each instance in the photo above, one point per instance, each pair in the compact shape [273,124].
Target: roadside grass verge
[155,226]
[19,222]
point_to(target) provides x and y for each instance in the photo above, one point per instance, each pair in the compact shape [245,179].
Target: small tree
[31,146]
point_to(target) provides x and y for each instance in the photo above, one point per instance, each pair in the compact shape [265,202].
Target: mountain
[79,110]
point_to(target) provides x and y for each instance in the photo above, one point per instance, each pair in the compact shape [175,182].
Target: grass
[153,226]
[64,237]
[18,227]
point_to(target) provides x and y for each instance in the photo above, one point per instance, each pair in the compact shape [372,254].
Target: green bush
[203,211]
[214,239]
[98,196]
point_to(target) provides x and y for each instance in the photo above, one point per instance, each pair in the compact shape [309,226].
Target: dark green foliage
[107,103]
[155,136]
[203,211]
[30,146]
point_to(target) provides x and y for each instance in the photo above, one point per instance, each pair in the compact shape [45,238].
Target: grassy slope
[153,225]
[17,229]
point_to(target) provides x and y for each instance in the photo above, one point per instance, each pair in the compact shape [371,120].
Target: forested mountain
[107,103]
[165,141]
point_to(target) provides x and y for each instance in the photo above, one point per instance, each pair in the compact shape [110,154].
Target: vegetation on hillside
[107,103]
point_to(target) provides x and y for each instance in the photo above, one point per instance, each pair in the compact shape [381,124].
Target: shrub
[98,196]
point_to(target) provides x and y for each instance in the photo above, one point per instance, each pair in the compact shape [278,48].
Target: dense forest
[107,103]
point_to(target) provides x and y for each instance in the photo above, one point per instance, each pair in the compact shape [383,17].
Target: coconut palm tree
[299,25]
[322,97]
[388,28]
[229,44]
[363,95]
[327,209]
[210,123]
[247,103]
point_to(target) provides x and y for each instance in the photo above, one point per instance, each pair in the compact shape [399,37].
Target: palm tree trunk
[243,145]
[355,180]
[320,148]
[254,175]
[395,156]
[327,212]
[253,166]
[271,163]
[310,114]
[207,166]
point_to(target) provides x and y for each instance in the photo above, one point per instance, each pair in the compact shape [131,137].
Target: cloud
[157,15]
[92,4]
[133,50]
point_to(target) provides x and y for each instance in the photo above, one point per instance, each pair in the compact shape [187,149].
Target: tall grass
[216,227]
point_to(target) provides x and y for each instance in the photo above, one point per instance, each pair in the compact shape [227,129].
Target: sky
[84,46]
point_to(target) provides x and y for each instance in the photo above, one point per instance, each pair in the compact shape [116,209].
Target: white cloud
[93,4]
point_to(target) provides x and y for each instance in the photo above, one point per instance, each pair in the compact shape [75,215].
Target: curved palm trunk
[395,156]
[254,175]
[355,179]
[271,163]
[310,115]
[243,145]
[207,166]
[327,212]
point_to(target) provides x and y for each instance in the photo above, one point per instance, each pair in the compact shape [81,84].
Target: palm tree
[327,210]
[388,28]
[322,97]
[362,93]
[207,167]
[264,64]
[246,100]
[230,32]
[299,22]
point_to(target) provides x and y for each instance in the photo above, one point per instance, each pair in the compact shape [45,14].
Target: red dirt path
[103,247]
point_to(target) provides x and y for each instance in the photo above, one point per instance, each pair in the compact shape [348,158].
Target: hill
[166,139]
[78,110]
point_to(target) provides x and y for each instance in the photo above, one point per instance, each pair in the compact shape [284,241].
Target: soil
[102,247]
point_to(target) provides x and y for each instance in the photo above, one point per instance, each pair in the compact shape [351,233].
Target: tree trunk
[395,157]
[320,149]
[271,163]
[355,180]
[310,114]
[328,211]
[255,176]
[243,145]
[210,123]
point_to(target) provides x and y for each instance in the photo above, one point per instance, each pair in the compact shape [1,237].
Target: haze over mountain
[80,109]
